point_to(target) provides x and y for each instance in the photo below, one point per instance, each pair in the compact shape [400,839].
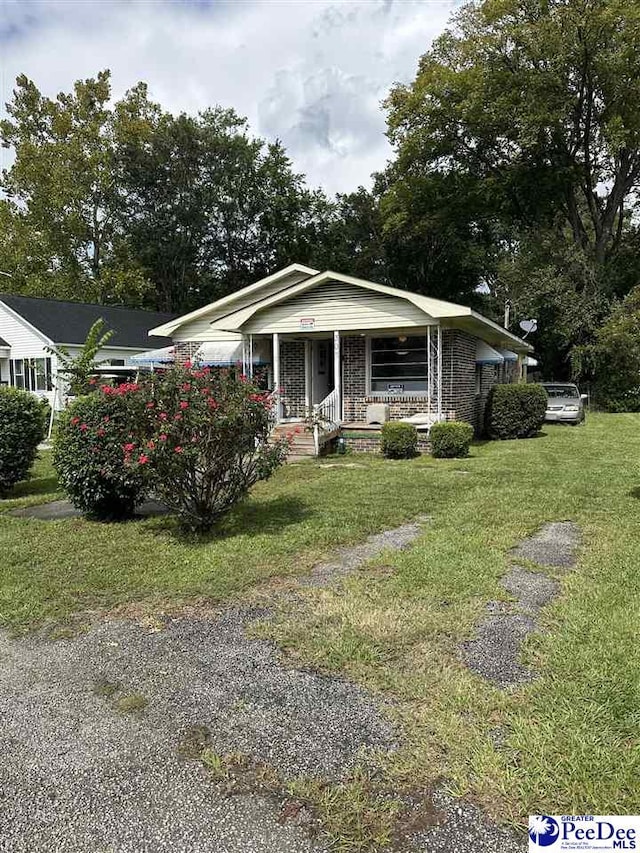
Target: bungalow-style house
[353,352]
[28,326]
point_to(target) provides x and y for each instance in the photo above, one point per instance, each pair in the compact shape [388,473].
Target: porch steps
[302,446]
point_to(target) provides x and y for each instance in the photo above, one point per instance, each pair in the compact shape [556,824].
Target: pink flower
[75,421]
[100,432]
[128,448]
[83,427]
[186,386]
[177,449]
[184,404]
[162,437]
[188,364]
[177,417]
[106,419]
[151,445]
[205,391]
[163,416]
[142,459]
[150,404]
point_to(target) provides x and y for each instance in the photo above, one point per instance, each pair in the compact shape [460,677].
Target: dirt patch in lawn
[495,652]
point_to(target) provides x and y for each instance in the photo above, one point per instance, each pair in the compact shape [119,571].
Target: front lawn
[567,743]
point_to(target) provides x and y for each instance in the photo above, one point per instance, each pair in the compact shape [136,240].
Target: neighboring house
[354,351]
[28,326]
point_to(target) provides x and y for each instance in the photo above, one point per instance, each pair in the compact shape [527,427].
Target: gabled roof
[438,309]
[252,290]
[3,343]
[232,312]
[68,322]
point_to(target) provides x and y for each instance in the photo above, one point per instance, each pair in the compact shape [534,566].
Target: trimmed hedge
[515,411]
[22,428]
[398,440]
[450,439]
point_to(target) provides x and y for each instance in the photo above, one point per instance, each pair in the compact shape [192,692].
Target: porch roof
[431,310]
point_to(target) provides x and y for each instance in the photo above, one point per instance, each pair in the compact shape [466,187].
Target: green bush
[93,440]
[515,411]
[22,428]
[450,439]
[398,440]
[206,440]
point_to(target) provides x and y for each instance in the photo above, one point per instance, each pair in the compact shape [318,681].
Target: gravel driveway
[79,773]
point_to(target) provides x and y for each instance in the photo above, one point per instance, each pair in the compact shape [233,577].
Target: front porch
[338,378]
[332,383]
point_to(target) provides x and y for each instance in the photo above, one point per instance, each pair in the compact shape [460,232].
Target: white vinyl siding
[337,306]
[200,328]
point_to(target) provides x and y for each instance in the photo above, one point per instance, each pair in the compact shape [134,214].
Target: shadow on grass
[635,493]
[250,518]
[34,486]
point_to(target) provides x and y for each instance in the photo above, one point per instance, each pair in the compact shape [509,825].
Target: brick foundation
[358,443]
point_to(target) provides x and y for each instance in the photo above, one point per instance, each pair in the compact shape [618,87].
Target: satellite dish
[528,326]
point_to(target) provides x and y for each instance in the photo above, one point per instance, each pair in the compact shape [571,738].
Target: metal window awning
[226,353]
[507,354]
[165,355]
[487,355]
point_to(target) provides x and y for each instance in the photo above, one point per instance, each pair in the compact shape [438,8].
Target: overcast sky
[309,72]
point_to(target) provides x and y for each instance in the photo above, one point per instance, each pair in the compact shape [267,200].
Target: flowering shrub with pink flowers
[89,455]
[206,438]
[197,439]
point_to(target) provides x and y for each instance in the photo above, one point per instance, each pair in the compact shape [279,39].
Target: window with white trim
[398,365]
[31,374]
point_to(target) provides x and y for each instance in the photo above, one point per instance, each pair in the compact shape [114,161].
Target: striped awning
[165,355]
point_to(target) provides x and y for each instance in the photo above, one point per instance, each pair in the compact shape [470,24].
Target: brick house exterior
[300,317]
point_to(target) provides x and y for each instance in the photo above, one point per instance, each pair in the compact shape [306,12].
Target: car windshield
[562,391]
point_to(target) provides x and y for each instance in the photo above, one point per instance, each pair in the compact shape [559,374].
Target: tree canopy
[514,181]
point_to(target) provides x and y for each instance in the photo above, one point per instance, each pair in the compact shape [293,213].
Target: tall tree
[539,100]
[527,114]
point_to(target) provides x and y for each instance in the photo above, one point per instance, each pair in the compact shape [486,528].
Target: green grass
[568,743]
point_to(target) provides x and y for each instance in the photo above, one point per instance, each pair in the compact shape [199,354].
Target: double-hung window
[31,374]
[41,374]
[16,366]
[398,365]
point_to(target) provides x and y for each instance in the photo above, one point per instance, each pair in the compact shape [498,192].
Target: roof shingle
[68,322]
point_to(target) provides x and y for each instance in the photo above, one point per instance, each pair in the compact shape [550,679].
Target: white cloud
[312,73]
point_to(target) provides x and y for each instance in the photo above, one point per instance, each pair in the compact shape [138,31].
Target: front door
[321,369]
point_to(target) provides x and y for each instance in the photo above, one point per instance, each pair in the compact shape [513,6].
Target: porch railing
[325,417]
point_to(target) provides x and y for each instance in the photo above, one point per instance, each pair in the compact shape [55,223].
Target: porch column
[337,377]
[439,378]
[308,355]
[276,373]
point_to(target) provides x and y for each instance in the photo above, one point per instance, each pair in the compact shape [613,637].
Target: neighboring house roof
[233,312]
[68,322]
[3,343]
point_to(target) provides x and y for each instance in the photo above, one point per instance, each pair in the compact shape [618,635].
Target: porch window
[398,365]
